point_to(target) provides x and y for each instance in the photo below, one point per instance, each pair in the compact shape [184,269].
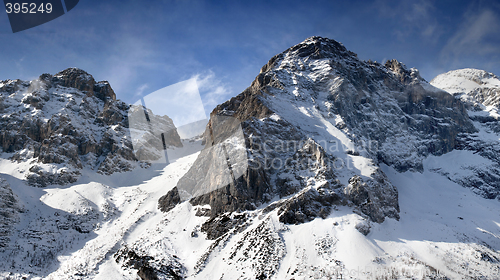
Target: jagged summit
[74,71]
[81,80]
[406,76]
[318,47]
[315,47]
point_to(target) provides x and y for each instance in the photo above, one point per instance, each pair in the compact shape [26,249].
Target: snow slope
[73,231]
[444,230]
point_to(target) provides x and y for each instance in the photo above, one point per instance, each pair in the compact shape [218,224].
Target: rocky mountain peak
[319,47]
[313,94]
[405,75]
[83,81]
[314,47]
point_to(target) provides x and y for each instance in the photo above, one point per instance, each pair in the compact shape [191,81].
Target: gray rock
[147,267]
[9,212]
[169,201]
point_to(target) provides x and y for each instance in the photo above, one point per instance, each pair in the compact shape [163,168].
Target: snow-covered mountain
[480,92]
[326,167]
[63,123]
[475,86]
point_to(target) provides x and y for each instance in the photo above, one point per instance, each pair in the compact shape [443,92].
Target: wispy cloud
[129,57]
[415,18]
[212,90]
[478,35]
[140,90]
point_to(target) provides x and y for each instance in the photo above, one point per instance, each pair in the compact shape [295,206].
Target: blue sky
[140,47]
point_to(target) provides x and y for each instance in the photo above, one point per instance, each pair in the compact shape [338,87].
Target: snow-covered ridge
[465,80]
[475,86]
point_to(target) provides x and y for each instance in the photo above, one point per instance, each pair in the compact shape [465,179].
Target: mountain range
[325,167]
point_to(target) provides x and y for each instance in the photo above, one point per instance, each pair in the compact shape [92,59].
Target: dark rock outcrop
[83,81]
[169,201]
[147,267]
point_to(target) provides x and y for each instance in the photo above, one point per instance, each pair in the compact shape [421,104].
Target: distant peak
[74,72]
[472,74]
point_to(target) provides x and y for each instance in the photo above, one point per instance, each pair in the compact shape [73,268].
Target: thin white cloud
[140,90]
[476,36]
[212,89]
[416,18]
[180,101]
[129,57]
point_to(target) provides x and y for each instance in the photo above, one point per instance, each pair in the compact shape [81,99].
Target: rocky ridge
[65,122]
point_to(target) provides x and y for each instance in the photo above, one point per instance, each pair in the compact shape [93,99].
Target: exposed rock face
[376,197]
[66,122]
[81,80]
[149,268]
[168,201]
[9,212]
[339,87]
[480,92]
[218,226]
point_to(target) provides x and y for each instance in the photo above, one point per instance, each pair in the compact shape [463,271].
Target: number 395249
[28,8]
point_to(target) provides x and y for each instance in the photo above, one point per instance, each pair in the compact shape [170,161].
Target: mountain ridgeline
[383,114]
[65,122]
[325,167]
